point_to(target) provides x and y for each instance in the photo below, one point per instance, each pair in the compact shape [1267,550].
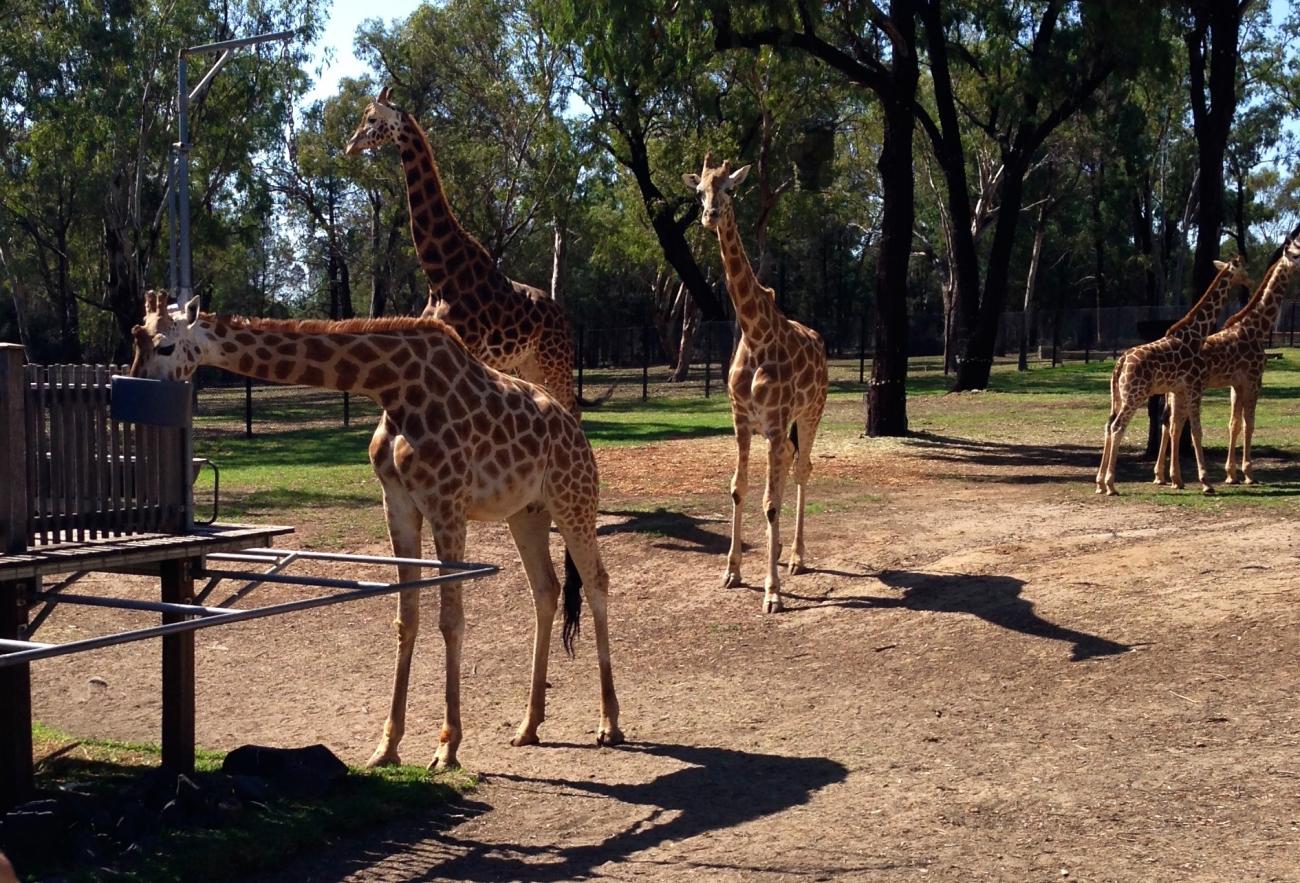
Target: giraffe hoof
[1111,492]
[1231,479]
[1250,480]
[522,739]
[1207,490]
[731,579]
[772,605]
[441,764]
[797,566]
[1178,485]
[1159,482]
[609,736]
[383,757]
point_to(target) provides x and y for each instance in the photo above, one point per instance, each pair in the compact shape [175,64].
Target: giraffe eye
[166,350]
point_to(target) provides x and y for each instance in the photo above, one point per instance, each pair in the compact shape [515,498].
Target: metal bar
[249,586]
[236,44]
[182,290]
[134,604]
[331,583]
[174,628]
[22,645]
[263,554]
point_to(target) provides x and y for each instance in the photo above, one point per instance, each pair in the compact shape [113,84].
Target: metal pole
[171,223]
[645,360]
[582,354]
[708,359]
[248,407]
[183,287]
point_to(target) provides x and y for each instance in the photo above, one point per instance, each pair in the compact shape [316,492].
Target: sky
[345,15]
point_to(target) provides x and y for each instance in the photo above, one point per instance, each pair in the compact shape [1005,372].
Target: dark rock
[294,772]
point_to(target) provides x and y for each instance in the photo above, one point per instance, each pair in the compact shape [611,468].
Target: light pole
[178,209]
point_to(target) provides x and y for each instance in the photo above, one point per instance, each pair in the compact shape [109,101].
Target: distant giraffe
[1172,364]
[511,326]
[457,441]
[1234,357]
[777,383]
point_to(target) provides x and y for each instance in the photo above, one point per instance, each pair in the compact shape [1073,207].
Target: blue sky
[345,15]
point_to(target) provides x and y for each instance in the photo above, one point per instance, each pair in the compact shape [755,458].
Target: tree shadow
[686,533]
[993,598]
[719,788]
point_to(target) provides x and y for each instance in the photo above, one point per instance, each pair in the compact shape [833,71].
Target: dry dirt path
[989,676]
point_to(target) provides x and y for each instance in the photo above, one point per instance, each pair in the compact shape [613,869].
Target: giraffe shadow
[713,789]
[677,531]
[993,598]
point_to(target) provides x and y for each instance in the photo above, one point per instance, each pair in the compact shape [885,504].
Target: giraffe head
[1237,270]
[379,125]
[714,185]
[166,347]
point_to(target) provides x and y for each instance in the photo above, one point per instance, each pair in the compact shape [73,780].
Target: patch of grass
[256,838]
[637,422]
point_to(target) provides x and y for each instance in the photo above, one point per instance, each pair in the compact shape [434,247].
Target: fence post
[15,681]
[1293,323]
[708,358]
[582,354]
[645,362]
[248,407]
[862,347]
[347,415]
[1056,336]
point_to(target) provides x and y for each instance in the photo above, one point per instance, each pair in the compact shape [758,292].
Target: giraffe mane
[383,325]
[1255,297]
[1187,320]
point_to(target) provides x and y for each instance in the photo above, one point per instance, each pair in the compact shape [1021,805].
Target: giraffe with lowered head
[1172,364]
[457,441]
[513,327]
[777,383]
[1234,357]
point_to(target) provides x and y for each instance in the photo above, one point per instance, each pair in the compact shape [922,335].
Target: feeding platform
[97,475]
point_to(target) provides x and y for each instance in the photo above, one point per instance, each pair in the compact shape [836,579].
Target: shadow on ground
[683,532]
[993,598]
[718,788]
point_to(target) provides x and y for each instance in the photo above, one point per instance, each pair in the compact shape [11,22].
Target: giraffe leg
[807,432]
[1234,433]
[531,531]
[1248,434]
[404,523]
[1110,456]
[779,451]
[1162,457]
[1105,456]
[739,487]
[1177,418]
[580,541]
[449,538]
[1194,415]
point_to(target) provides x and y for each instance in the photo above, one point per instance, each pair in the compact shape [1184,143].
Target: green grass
[301,457]
[260,837]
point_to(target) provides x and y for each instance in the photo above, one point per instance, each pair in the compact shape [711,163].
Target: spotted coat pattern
[458,440]
[511,326]
[777,384]
[1234,358]
[1173,365]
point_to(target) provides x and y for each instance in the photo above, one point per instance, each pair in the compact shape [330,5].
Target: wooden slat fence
[90,476]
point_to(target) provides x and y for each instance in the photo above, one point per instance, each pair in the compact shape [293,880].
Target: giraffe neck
[755,308]
[441,243]
[369,357]
[1262,316]
[1202,318]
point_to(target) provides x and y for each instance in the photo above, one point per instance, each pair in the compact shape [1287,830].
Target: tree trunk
[887,393]
[1216,26]
[1031,278]
[559,250]
[691,325]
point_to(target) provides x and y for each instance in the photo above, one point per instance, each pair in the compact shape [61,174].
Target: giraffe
[777,383]
[1172,364]
[1234,358]
[457,440]
[513,327]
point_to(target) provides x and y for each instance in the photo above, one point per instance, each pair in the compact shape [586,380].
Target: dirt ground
[989,675]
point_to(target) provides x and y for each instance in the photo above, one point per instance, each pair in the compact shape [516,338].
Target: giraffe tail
[572,602]
[1114,388]
[598,400]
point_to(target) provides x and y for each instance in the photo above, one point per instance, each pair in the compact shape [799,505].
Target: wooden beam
[177,673]
[15,702]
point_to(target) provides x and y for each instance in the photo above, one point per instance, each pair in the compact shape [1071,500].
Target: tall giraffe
[777,383]
[458,440]
[1234,357]
[511,326]
[1172,364]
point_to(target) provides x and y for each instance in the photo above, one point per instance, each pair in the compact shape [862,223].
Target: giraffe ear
[192,310]
[1220,265]
[383,95]
[734,179]
[691,181]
